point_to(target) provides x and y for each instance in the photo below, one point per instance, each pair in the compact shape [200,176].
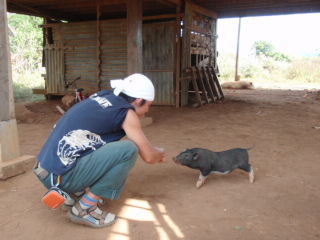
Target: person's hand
[163,158]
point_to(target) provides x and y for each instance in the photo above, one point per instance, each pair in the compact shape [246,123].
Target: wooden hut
[97,52]
[100,40]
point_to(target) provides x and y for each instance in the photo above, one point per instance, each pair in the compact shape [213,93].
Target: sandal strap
[84,216]
[101,217]
[82,212]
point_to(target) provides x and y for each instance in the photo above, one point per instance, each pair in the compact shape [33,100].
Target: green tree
[25,42]
[278,56]
[263,48]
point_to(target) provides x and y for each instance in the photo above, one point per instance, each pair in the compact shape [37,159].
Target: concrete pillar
[11,164]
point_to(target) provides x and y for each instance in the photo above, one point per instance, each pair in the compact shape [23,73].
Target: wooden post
[10,162]
[185,55]
[178,57]
[98,46]
[237,76]
[134,40]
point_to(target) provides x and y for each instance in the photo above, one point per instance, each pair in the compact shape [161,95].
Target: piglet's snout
[175,160]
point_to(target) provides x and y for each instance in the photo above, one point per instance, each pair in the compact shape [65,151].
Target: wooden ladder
[206,85]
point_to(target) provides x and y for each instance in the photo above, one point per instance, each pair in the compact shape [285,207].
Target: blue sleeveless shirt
[84,128]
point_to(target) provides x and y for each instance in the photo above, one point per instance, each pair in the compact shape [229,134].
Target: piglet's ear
[195,156]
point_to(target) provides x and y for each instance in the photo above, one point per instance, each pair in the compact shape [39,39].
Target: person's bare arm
[134,132]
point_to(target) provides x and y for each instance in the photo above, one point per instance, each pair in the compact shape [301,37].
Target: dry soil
[161,201]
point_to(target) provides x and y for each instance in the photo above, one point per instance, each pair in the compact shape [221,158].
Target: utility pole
[237,76]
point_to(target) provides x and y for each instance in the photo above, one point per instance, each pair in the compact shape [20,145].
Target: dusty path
[161,202]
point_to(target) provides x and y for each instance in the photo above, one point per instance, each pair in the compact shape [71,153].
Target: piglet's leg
[200,181]
[251,176]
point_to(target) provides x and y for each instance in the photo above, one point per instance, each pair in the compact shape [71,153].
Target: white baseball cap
[136,85]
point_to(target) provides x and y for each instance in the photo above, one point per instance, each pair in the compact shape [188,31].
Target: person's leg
[104,171]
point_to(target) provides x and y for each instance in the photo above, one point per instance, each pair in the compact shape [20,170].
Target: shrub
[226,65]
[24,83]
[302,72]
[250,69]
[305,69]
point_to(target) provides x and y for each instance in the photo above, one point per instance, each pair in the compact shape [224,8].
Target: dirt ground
[161,201]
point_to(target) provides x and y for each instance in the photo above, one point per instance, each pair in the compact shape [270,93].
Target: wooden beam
[177,3]
[172,3]
[113,2]
[201,10]
[134,36]
[64,5]
[165,16]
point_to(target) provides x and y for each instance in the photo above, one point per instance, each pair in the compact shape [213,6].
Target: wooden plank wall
[114,51]
[158,59]
[81,56]
[80,41]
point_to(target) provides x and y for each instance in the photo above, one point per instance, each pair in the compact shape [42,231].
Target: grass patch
[23,83]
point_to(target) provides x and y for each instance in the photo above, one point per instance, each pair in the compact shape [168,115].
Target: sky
[297,34]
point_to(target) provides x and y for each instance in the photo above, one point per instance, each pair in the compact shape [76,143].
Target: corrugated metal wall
[55,67]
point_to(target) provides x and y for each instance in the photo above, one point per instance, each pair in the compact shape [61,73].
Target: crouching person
[85,153]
